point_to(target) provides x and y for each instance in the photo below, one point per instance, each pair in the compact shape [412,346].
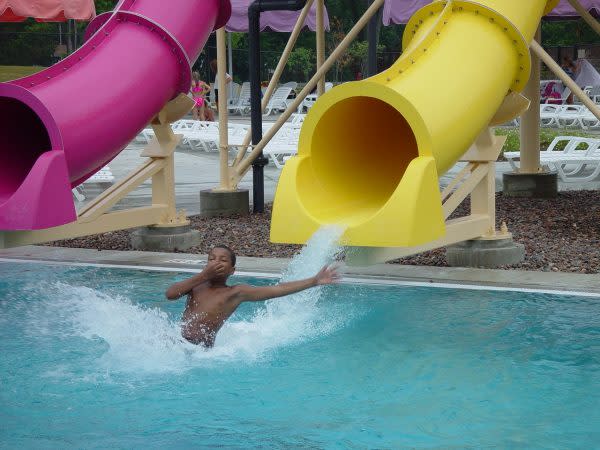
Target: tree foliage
[32,43]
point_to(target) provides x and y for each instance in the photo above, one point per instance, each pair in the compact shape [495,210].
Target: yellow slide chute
[370,152]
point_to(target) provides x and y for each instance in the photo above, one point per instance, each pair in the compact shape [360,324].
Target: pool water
[92,358]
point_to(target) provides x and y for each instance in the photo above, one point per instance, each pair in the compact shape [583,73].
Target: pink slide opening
[59,126]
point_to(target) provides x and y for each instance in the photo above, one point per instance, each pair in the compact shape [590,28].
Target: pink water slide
[61,125]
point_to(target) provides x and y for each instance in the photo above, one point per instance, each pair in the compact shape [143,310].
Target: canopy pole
[566,79]
[224,181]
[245,165]
[585,15]
[372,43]
[320,44]
[276,75]
[530,120]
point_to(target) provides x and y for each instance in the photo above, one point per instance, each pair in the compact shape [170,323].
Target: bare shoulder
[240,292]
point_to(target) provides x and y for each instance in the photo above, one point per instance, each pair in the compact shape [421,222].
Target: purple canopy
[283,21]
[399,11]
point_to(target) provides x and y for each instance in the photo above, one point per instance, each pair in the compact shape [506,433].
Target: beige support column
[565,78]
[585,15]
[320,43]
[277,74]
[224,179]
[245,165]
[530,119]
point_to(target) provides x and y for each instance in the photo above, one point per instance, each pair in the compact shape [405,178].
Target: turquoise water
[91,358]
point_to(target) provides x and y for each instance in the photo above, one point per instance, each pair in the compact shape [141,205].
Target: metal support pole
[259,162]
[530,120]
[320,43]
[277,74]
[372,41]
[224,182]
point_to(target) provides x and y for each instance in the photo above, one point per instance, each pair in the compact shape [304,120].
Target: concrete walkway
[381,273]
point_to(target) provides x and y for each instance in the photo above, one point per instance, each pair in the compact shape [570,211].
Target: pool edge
[468,278]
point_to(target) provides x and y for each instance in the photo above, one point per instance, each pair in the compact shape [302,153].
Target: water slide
[59,126]
[371,152]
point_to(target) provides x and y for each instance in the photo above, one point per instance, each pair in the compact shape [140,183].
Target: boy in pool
[210,301]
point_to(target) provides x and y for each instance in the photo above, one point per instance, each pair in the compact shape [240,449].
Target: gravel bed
[560,234]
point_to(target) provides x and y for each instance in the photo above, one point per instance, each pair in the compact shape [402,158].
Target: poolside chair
[563,98]
[104,175]
[589,121]
[549,115]
[578,154]
[570,116]
[283,146]
[594,94]
[205,135]
[310,99]
[147,134]
[278,102]
[579,165]
[234,92]
[587,91]
[242,103]
[78,194]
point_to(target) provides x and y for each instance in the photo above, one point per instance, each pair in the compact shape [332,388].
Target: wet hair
[231,253]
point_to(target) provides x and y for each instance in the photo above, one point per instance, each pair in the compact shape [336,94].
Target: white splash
[142,338]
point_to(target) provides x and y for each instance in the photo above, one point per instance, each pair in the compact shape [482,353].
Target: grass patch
[547,135]
[8,73]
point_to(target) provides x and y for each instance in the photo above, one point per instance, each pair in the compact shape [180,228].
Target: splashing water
[137,337]
[294,318]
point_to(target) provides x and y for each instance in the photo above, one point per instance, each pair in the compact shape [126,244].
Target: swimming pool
[92,358]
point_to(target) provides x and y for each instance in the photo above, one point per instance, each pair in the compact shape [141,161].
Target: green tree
[302,62]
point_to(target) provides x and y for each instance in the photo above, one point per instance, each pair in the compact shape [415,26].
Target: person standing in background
[213,66]
[199,91]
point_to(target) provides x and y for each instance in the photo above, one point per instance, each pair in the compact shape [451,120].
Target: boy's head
[224,255]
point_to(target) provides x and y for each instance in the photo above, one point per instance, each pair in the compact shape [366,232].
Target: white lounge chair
[104,175]
[284,145]
[589,121]
[578,169]
[578,154]
[310,99]
[278,102]
[234,92]
[549,115]
[570,116]
[205,135]
[242,103]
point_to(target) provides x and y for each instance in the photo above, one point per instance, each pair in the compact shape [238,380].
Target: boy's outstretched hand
[327,275]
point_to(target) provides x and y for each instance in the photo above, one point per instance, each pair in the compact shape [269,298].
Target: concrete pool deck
[454,276]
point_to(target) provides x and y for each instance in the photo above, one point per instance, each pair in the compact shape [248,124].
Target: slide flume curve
[59,126]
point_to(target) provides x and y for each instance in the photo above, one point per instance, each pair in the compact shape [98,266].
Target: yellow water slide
[371,152]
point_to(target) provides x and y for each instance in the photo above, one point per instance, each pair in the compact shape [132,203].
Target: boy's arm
[184,287]
[245,293]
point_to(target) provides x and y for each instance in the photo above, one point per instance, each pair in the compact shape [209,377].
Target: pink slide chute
[59,126]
